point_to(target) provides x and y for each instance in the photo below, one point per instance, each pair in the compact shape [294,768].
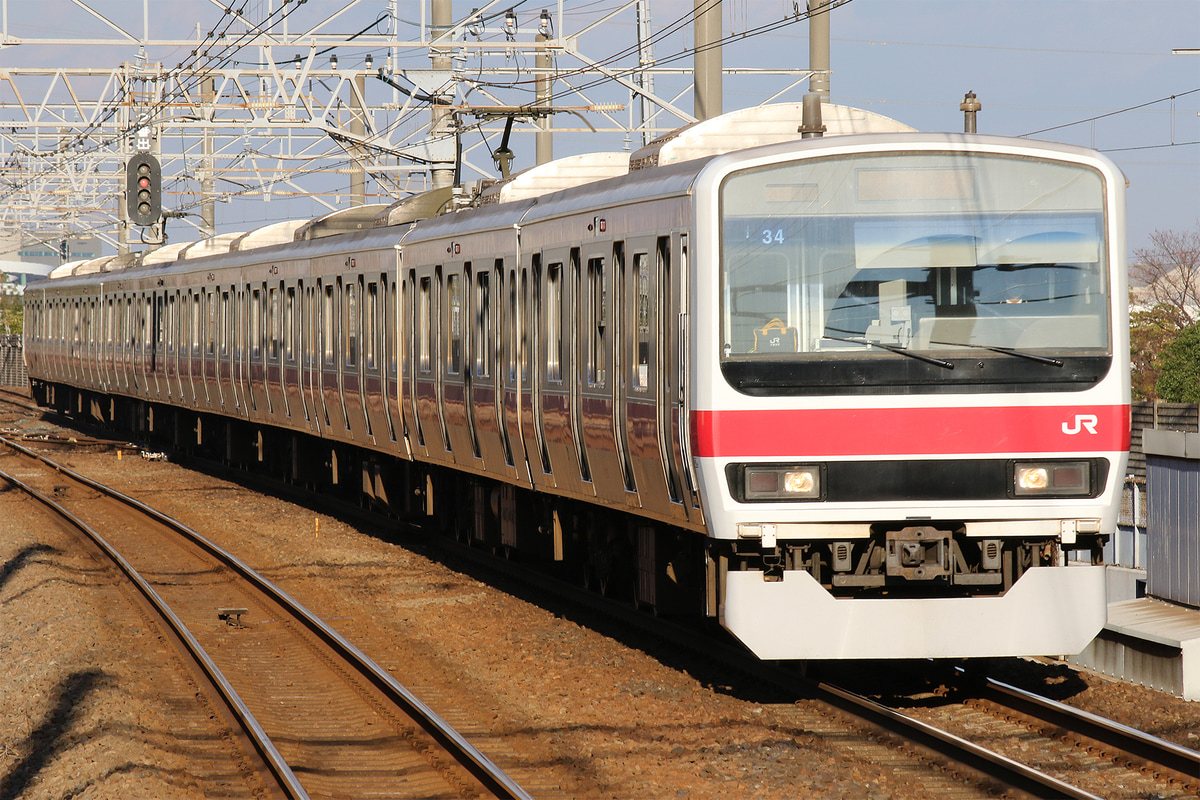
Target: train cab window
[483,326]
[371,326]
[553,312]
[595,321]
[454,310]
[350,318]
[866,265]
[644,309]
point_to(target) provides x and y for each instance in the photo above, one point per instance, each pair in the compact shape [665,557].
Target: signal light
[143,189]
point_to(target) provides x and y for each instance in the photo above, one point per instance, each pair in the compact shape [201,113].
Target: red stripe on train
[829,433]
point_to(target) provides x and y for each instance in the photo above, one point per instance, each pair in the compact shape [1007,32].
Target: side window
[171,324]
[274,322]
[553,312]
[350,324]
[371,325]
[327,334]
[226,333]
[425,326]
[641,358]
[390,320]
[454,310]
[483,326]
[289,325]
[595,320]
[256,301]
[197,318]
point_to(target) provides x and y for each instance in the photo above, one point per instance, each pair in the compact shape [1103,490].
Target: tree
[1164,301]
[1149,333]
[1179,368]
[12,310]
[1169,273]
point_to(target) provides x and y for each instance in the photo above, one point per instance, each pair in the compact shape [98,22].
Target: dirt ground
[91,707]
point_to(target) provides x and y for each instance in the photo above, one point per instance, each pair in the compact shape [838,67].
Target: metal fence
[1173,481]
[12,361]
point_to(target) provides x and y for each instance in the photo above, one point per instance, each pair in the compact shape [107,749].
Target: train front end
[909,393]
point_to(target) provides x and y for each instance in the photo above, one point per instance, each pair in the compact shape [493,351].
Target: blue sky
[1036,65]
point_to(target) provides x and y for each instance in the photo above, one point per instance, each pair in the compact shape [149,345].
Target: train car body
[854,397]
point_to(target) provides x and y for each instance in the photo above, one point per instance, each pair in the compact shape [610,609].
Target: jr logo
[1083,422]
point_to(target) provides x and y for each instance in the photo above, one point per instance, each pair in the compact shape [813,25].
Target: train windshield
[836,270]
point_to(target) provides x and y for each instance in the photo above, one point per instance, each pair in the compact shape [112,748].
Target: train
[853,396]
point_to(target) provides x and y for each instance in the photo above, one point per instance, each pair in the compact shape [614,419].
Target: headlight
[780,482]
[1053,478]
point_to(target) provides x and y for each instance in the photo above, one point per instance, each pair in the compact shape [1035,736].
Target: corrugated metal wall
[1173,547]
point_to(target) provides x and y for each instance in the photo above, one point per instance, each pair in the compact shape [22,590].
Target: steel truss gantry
[275,100]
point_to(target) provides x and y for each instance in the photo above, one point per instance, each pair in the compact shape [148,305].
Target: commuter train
[856,396]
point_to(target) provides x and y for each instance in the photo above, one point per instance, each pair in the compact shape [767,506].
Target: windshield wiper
[893,348]
[1008,351]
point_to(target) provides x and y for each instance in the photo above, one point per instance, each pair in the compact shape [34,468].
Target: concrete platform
[1150,642]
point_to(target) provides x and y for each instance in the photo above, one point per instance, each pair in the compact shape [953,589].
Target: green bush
[1179,368]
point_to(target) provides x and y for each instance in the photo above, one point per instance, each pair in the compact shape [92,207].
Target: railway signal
[143,189]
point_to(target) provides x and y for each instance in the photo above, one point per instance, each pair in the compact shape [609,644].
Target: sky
[1098,73]
[1035,66]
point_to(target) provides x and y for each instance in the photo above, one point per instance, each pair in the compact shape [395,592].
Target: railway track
[1121,754]
[318,716]
[939,755]
[1017,762]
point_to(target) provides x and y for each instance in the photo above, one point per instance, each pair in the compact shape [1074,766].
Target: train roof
[667,166]
[756,127]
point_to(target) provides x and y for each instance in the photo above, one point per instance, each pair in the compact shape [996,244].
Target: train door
[351,363]
[104,339]
[620,372]
[536,358]
[430,363]
[193,378]
[572,450]
[483,397]
[273,349]
[331,399]
[374,401]
[295,338]
[327,355]
[416,347]
[672,374]
[512,344]
[174,384]
[447,289]
[597,328]
[289,352]
[390,353]
[208,347]
[491,331]
[225,392]
[255,311]
[460,377]
[310,360]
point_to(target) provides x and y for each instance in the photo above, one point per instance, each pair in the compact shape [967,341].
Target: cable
[1113,113]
